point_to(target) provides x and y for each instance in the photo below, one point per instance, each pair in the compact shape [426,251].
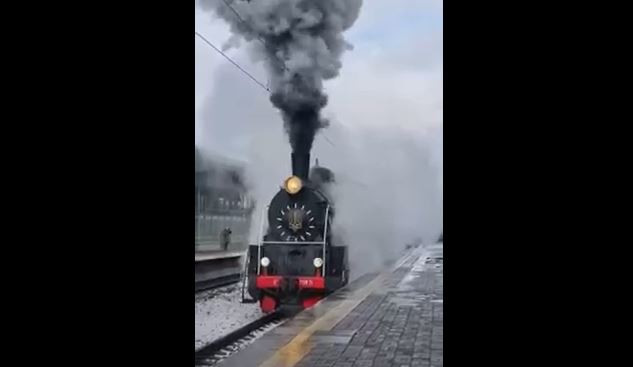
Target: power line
[238,15]
[328,140]
[281,62]
[233,62]
[248,74]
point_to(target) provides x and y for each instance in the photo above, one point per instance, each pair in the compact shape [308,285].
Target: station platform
[214,255]
[394,318]
[216,268]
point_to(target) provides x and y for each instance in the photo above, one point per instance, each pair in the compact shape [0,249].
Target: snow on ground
[220,311]
[426,253]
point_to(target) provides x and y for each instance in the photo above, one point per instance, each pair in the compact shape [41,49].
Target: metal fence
[209,229]
[222,201]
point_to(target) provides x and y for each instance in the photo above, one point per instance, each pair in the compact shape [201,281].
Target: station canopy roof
[218,172]
[206,160]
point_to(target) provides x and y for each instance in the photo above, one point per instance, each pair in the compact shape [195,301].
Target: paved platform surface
[392,319]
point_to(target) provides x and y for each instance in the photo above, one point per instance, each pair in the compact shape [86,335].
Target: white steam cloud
[388,191]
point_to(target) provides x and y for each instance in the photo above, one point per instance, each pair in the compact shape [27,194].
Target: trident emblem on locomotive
[295,220]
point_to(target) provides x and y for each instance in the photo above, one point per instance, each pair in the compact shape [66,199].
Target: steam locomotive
[296,262]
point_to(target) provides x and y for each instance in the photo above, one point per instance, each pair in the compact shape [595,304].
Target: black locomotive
[296,262]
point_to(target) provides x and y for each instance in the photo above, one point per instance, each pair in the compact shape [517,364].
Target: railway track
[217,282]
[221,348]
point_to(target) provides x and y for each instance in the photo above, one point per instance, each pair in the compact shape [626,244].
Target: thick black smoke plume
[302,42]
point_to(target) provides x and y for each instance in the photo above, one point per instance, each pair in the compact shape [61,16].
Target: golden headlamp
[293,185]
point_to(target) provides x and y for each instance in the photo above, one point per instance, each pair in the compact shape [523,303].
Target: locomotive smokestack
[301,165]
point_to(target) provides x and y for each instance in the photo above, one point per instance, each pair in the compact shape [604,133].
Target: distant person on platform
[225,238]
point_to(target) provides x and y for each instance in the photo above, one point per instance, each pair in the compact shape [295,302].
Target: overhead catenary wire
[328,140]
[248,74]
[281,63]
[233,62]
